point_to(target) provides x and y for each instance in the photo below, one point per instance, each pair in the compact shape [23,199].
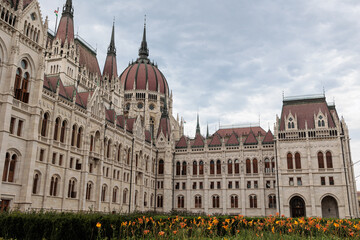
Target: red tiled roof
[251,139]
[304,110]
[147,136]
[50,83]
[15,3]
[269,138]
[182,143]
[215,141]
[164,127]
[240,131]
[89,60]
[141,74]
[110,115]
[63,92]
[198,141]
[70,91]
[120,121]
[110,67]
[65,29]
[130,124]
[233,141]
[82,98]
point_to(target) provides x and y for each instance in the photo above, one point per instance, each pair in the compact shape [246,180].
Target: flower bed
[51,225]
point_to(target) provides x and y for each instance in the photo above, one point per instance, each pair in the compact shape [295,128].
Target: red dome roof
[143,75]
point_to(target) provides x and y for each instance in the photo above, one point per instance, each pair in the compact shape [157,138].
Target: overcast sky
[231,61]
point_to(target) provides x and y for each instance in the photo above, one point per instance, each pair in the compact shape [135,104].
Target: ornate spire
[112,49]
[165,113]
[68,8]
[207,131]
[198,125]
[144,51]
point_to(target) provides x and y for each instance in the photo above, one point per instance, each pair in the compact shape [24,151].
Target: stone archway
[329,207]
[297,207]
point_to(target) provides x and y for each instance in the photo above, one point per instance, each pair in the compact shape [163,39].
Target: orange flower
[98,225]
[336,225]
[161,233]
[146,232]
[174,232]
[273,230]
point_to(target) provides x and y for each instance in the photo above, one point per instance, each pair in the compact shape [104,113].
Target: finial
[197,125]
[111,48]
[145,21]
[143,50]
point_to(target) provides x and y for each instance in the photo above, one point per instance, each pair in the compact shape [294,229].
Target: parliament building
[77,137]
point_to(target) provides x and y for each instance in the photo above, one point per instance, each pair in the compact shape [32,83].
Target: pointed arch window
[125,196]
[183,172]
[44,124]
[321,160]
[71,189]
[103,193]
[289,161]
[178,168]
[160,201]
[234,201]
[218,167]
[230,166]
[114,196]
[329,163]
[78,139]
[88,190]
[36,183]
[237,166]
[63,130]
[297,161]
[273,165]
[73,135]
[253,201]
[21,84]
[272,201]
[267,165]
[194,168]
[54,186]
[201,168]
[181,202]
[248,166]
[255,166]
[212,167]
[108,151]
[91,143]
[161,167]
[9,168]
[216,201]
[198,202]
[56,129]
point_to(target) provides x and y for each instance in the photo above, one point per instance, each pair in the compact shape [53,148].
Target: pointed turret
[144,51]
[197,125]
[66,26]
[164,126]
[207,130]
[110,67]
[165,113]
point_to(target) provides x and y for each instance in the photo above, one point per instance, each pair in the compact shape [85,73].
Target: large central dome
[144,75]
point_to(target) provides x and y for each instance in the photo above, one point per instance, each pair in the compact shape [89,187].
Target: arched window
[237,166]
[88,190]
[151,200]
[119,156]
[63,129]
[71,189]
[73,135]
[248,166]
[159,201]
[194,168]
[125,195]
[198,202]
[91,143]
[253,201]
[216,201]
[289,161]
[36,183]
[289,124]
[255,165]
[145,199]
[114,196]
[297,161]
[234,201]
[212,167]
[128,156]
[56,129]
[319,123]
[161,167]
[44,124]
[21,84]
[78,139]
[321,160]
[181,202]
[267,165]
[108,151]
[273,165]
[292,125]
[103,193]
[329,163]
[218,167]
[272,201]
[178,168]
[201,168]
[230,167]
[54,185]
[183,172]
[9,168]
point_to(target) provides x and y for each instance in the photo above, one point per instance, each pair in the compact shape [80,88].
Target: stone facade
[75,138]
